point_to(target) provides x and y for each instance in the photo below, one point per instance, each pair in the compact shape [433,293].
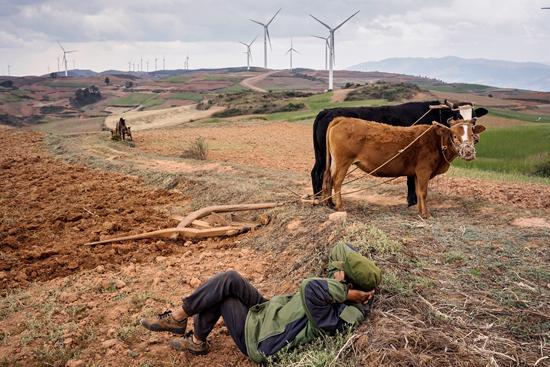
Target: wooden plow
[202,229]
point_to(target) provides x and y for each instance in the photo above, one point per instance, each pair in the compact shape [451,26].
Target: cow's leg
[316,181]
[339,175]
[411,191]
[422,181]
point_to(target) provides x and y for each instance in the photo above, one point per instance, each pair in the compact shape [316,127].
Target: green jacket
[319,306]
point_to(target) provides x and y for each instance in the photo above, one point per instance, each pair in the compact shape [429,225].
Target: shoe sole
[177,346]
[158,328]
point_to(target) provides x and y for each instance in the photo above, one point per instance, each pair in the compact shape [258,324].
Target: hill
[507,74]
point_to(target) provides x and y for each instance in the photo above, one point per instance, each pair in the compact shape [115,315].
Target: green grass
[514,115]
[135,99]
[176,79]
[13,96]
[191,96]
[516,149]
[334,351]
[235,88]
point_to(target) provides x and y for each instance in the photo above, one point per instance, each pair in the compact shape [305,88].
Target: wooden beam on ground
[187,233]
[220,209]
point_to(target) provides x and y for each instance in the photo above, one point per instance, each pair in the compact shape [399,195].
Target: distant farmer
[122,130]
[261,327]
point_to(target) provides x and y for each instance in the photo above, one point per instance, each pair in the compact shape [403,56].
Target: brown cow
[369,144]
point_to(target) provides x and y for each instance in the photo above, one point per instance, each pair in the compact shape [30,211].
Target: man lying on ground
[261,327]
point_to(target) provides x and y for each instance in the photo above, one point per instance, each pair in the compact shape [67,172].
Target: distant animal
[400,115]
[122,130]
[369,144]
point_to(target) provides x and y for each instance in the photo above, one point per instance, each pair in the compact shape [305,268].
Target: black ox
[400,115]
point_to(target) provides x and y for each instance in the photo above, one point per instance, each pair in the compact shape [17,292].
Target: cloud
[507,29]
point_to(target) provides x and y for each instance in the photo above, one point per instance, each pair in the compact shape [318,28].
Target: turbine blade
[254,40]
[320,22]
[60,46]
[255,21]
[242,43]
[341,24]
[268,23]
[318,37]
[268,37]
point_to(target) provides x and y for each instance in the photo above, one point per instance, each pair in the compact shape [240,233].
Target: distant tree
[107,80]
[53,75]
[6,84]
[129,84]
[85,96]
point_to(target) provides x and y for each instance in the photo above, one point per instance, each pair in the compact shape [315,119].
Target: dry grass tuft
[198,149]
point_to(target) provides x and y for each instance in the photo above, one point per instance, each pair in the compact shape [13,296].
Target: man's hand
[339,276]
[358,296]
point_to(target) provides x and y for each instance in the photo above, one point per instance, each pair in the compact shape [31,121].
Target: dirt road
[154,119]
[250,83]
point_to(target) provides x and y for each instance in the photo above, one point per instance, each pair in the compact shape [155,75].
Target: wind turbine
[290,51]
[248,52]
[266,35]
[65,57]
[9,67]
[163,63]
[332,48]
[129,66]
[147,63]
[186,62]
[156,64]
[327,47]
[141,65]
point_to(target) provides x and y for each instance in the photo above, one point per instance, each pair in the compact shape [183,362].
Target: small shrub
[230,112]
[542,169]
[454,256]
[198,149]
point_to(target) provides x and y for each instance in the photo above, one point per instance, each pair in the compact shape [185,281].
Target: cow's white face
[463,137]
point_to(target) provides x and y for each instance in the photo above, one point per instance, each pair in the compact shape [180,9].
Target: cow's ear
[479,112]
[440,130]
[478,129]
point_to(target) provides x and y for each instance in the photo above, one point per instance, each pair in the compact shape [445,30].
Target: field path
[340,95]
[154,119]
[250,82]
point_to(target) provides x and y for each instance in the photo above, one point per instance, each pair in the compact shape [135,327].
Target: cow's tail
[319,139]
[327,174]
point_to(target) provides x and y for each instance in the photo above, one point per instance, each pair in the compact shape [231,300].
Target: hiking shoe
[186,343]
[165,322]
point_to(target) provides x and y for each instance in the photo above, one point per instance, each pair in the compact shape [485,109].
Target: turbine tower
[9,67]
[129,66]
[141,65]
[327,47]
[332,48]
[266,35]
[248,52]
[147,65]
[163,63]
[290,51]
[65,57]
[186,65]
[156,64]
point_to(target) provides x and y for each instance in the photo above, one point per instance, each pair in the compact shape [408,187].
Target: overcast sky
[108,34]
